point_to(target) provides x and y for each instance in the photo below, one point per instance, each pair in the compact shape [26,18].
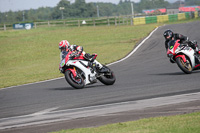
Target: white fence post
[35,25]
[79,24]
[131,21]
[4,27]
[115,21]
[108,22]
[94,23]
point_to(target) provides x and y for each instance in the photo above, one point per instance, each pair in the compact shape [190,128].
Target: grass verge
[188,123]
[33,55]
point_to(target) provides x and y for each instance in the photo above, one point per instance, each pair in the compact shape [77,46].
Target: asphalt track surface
[146,74]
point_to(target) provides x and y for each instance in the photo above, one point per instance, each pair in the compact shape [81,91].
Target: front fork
[181,56]
[186,62]
[73,70]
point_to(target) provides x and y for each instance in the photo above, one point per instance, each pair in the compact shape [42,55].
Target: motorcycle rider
[65,47]
[169,35]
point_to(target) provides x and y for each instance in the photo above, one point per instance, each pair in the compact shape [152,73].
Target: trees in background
[192,2]
[81,9]
[152,4]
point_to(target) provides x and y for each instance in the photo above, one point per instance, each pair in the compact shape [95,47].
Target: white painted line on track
[49,115]
[31,83]
[44,111]
[134,50]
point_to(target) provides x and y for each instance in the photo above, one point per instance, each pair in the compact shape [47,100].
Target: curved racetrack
[146,74]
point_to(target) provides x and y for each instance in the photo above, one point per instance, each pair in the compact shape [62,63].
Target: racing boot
[90,64]
[90,60]
[102,69]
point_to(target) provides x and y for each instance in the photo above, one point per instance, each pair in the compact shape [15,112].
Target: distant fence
[89,22]
[123,20]
[165,18]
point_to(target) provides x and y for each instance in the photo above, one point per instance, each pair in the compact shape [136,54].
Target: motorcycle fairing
[81,57]
[86,70]
[189,53]
[181,56]
[176,50]
[177,44]
[197,66]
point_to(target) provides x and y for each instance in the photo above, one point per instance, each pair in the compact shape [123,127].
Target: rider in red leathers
[65,46]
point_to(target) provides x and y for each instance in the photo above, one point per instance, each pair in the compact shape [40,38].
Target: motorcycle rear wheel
[77,83]
[184,66]
[107,78]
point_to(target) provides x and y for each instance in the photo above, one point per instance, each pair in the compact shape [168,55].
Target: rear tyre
[184,66]
[76,82]
[107,78]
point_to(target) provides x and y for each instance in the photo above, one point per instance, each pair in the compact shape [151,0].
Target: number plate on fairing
[62,63]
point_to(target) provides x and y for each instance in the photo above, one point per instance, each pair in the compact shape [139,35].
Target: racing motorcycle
[183,55]
[80,72]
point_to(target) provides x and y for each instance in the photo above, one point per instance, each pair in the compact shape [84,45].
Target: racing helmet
[168,34]
[64,45]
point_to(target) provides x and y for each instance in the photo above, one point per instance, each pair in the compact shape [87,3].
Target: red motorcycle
[183,55]
[80,72]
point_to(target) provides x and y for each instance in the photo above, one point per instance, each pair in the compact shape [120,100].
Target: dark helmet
[168,34]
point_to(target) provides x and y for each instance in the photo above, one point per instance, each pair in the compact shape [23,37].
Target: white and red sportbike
[183,55]
[80,72]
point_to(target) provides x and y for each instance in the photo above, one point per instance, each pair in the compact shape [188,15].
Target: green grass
[32,55]
[188,123]
[28,56]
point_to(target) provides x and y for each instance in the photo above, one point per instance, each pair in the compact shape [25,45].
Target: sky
[16,5]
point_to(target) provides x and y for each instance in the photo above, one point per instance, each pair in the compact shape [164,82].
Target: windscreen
[171,44]
[64,53]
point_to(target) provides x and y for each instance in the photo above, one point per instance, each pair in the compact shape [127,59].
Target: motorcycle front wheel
[184,66]
[76,82]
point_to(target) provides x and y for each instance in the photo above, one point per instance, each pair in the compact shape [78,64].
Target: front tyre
[107,78]
[184,66]
[76,82]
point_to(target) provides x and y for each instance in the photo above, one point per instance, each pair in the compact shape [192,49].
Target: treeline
[81,9]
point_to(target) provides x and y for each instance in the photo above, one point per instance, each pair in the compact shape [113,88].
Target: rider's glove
[194,42]
[72,56]
[187,40]
[185,44]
